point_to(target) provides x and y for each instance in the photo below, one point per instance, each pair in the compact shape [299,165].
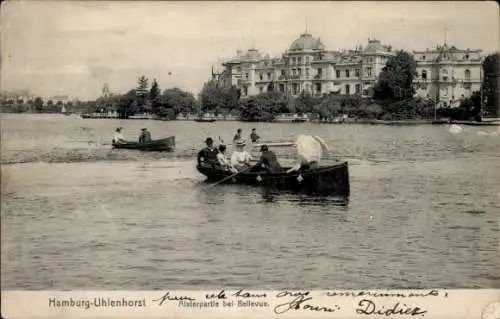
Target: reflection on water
[423,212]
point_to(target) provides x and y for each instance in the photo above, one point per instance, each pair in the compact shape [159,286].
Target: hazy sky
[75,47]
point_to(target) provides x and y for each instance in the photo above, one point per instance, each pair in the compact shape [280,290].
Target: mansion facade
[445,74]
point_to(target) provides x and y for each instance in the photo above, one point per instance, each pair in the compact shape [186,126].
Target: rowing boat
[330,180]
[161,145]
[203,120]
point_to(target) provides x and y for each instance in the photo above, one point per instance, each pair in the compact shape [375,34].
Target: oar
[230,176]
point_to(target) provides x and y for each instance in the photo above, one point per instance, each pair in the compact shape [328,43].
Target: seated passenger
[118,137]
[240,159]
[208,155]
[224,162]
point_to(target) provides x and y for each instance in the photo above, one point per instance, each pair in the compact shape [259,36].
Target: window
[467,75]
[307,71]
[338,74]
[238,70]
[269,76]
[293,60]
[295,88]
[246,76]
[320,71]
[423,57]
[299,71]
[466,57]
[369,71]
[282,88]
[261,89]
[424,74]
[347,89]
[283,72]
[445,91]
[346,73]
[318,87]
[261,76]
[356,72]
[308,59]
[245,90]
[358,88]
[299,60]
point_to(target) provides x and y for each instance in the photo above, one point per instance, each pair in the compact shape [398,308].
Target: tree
[59,105]
[330,106]
[127,104]
[51,107]
[395,82]
[105,90]
[216,98]
[174,101]
[142,93]
[38,104]
[263,107]
[491,71]
[154,96]
[305,103]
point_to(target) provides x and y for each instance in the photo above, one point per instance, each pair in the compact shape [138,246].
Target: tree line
[393,99]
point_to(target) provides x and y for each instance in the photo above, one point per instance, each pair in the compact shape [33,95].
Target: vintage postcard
[250,159]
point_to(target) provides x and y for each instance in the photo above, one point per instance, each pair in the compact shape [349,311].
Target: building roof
[375,46]
[306,42]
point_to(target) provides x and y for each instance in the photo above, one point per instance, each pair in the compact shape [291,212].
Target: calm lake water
[424,210]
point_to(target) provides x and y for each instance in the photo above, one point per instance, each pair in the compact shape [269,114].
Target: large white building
[448,74]
[308,66]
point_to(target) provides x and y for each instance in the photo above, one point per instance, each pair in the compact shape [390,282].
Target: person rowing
[118,137]
[237,136]
[254,136]
[145,136]
[208,155]
[268,160]
[240,159]
[310,149]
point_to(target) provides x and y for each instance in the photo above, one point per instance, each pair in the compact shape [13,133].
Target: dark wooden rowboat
[323,181]
[161,145]
[205,120]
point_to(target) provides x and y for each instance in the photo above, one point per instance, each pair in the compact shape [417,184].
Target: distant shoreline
[485,122]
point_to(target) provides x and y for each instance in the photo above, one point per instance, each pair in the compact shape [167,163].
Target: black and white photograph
[172,145]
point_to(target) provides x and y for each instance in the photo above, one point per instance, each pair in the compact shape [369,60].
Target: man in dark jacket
[208,155]
[145,136]
[269,161]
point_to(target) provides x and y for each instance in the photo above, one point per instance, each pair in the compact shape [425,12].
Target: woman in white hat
[240,159]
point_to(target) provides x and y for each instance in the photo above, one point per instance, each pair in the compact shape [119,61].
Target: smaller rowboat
[161,145]
[205,120]
[330,180]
